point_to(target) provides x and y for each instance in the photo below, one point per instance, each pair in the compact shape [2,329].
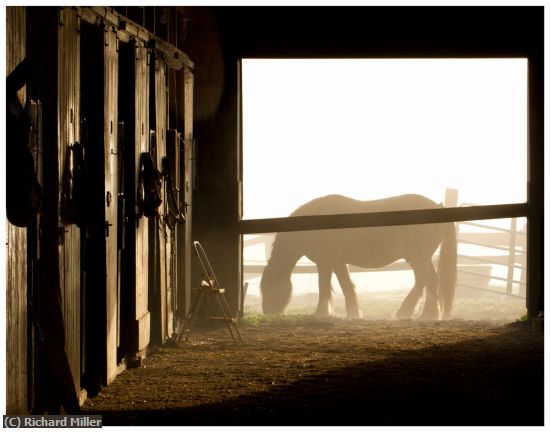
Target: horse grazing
[373,247]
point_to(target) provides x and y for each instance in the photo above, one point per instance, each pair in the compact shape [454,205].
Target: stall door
[141,130]
[111,162]
[167,224]
[68,113]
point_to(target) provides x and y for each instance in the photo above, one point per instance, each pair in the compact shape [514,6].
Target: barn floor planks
[298,370]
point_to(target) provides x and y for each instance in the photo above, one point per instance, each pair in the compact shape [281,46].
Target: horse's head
[276,289]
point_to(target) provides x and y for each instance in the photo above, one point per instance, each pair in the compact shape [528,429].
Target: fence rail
[509,240]
[474,271]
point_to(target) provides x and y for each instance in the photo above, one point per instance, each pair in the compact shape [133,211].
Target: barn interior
[130,121]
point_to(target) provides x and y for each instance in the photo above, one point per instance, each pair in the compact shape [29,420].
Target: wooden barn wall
[120,335]
[68,134]
[142,315]
[111,155]
[16,281]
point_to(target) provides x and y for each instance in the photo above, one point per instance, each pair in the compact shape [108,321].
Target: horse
[373,247]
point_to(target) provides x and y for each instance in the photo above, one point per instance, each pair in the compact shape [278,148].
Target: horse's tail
[447,268]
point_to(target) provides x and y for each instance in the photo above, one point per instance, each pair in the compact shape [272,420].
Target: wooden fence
[495,246]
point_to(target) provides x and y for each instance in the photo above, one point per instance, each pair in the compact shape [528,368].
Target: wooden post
[142,317]
[162,229]
[523,262]
[111,155]
[68,113]
[188,176]
[535,193]
[511,256]
[451,197]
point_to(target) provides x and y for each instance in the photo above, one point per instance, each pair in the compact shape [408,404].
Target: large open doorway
[453,130]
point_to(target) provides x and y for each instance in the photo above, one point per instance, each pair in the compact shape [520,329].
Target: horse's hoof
[321,314]
[402,315]
[355,315]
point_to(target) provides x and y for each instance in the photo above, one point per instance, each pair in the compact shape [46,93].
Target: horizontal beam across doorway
[389,218]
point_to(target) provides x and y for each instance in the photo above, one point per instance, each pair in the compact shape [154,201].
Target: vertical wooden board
[141,145]
[16,321]
[16,281]
[173,153]
[68,133]
[187,186]
[111,155]
[164,230]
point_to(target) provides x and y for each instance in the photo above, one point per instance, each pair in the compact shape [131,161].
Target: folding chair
[211,293]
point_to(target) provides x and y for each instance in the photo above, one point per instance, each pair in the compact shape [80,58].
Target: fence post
[451,197]
[511,256]
[523,262]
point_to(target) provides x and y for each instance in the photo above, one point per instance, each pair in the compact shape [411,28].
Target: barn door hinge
[107,225]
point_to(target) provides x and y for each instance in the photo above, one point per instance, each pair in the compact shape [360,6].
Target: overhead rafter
[127,30]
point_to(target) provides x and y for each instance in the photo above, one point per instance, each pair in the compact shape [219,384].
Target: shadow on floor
[476,382]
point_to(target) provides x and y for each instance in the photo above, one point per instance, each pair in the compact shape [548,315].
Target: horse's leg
[348,288]
[324,307]
[431,305]
[408,306]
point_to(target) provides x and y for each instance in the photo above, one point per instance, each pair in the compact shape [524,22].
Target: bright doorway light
[373,128]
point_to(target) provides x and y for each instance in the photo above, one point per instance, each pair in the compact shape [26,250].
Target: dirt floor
[299,370]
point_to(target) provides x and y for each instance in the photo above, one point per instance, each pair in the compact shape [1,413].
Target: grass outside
[382,306]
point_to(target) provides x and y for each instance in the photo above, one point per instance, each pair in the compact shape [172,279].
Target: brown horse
[333,250]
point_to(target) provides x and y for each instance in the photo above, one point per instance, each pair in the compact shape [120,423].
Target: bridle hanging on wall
[174,213]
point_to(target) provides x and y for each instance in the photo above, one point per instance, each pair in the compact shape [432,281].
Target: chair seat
[208,288]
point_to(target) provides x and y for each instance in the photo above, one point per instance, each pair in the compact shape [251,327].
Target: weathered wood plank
[187,184]
[173,153]
[68,133]
[111,155]
[160,127]
[142,228]
[16,280]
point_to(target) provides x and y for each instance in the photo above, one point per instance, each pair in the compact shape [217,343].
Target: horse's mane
[326,205]
[337,204]
[323,205]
